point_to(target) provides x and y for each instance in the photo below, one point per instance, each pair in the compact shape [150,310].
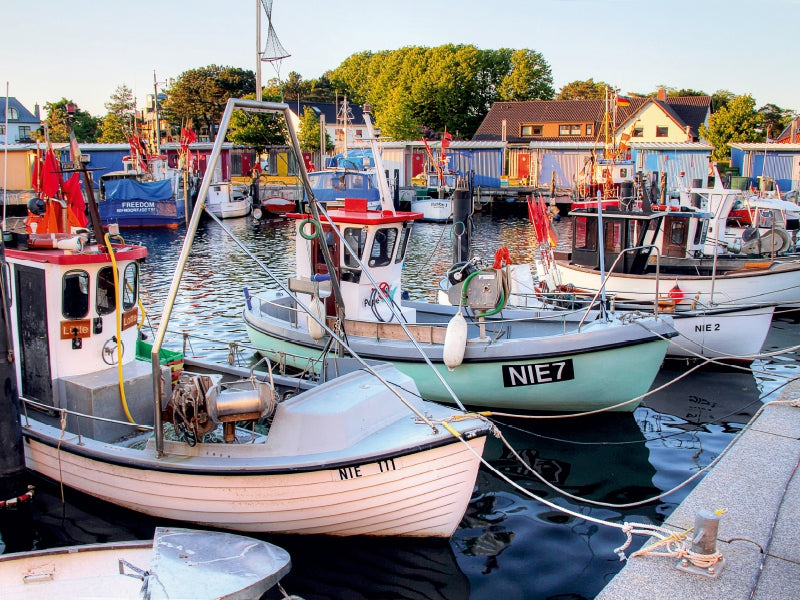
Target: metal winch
[199,403]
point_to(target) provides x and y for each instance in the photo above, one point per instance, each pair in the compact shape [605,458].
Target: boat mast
[258,50]
[380,175]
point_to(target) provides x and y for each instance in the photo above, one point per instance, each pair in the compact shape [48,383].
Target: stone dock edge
[757,482]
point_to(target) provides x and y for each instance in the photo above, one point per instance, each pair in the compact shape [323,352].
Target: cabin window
[401,251]
[356,238]
[662,131]
[382,247]
[130,286]
[613,237]
[585,234]
[75,295]
[677,234]
[106,299]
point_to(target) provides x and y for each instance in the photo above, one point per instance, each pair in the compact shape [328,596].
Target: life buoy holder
[501,257]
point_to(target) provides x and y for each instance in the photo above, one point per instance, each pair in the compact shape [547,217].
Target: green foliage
[309,133]
[530,78]
[84,125]
[736,122]
[200,94]
[584,90]
[258,130]
[776,119]
[122,105]
[720,99]
[113,130]
[447,87]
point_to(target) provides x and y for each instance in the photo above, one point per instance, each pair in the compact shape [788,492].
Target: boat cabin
[378,238]
[64,313]
[337,184]
[678,234]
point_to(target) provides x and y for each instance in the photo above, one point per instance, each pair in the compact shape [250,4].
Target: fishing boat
[675,250]
[227,447]
[348,280]
[226,200]
[734,332]
[435,186]
[176,563]
[333,186]
[147,192]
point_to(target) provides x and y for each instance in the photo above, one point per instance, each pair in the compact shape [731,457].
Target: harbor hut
[766,161]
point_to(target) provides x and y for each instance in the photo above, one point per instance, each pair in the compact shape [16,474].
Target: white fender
[315,330]
[455,341]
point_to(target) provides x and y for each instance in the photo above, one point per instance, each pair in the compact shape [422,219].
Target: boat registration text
[356,471]
[535,373]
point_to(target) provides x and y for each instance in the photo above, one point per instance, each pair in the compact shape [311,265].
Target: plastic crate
[170,358]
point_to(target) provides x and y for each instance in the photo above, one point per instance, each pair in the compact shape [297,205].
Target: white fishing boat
[435,186]
[352,259]
[359,455]
[730,331]
[176,563]
[226,200]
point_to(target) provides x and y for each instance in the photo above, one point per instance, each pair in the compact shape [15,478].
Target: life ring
[501,257]
[313,234]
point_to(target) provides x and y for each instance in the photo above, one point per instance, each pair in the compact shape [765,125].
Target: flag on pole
[623,101]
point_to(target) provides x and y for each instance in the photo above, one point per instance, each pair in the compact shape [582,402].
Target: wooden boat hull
[422,493]
[575,371]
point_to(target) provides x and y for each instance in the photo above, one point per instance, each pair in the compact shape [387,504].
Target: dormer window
[564,130]
[13,115]
[530,130]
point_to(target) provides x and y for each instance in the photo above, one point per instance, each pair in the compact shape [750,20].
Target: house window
[24,133]
[13,115]
[569,130]
[662,131]
[2,129]
[359,133]
[637,132]
[530,130]
[589,129]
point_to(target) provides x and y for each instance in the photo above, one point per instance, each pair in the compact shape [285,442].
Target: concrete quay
[758,483]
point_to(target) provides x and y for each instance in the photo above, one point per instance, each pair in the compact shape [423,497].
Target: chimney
[662,94]
[503,127]
[36,112]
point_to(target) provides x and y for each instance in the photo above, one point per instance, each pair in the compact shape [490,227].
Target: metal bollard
[706,527]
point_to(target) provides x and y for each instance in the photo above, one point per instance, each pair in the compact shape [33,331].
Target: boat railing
[63,413]
[606,277]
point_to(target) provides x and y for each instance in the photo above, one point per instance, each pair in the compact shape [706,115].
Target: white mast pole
[5,162]
[258,50]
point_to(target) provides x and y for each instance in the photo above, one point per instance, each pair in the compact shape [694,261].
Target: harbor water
[509,544]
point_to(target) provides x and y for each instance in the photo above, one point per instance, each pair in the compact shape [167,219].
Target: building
[552,139]
[779,162]
[21,122]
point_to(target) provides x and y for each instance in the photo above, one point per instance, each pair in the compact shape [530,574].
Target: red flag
[51,175]
[74,197]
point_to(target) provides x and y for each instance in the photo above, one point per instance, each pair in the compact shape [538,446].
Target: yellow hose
[118,323]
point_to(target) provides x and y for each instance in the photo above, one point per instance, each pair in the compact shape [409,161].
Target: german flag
[623,101]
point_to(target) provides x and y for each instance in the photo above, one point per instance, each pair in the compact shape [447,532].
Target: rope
[13,502]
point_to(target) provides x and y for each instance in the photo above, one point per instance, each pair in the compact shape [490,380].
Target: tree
[122,105]
[776,119]
[309,133]
[113,130]
[84,125]
[584,90]
[720,99]
[295,88]
[447,87]
[736,122]
[200,94]
[530,78]
[258,130]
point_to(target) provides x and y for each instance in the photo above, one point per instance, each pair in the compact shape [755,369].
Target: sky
[83,50]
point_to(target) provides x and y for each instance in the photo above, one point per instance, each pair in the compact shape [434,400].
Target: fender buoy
[315,330]
[676,293]
[455,341]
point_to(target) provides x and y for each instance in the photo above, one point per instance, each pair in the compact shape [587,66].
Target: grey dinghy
[359,455]
[176,563]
